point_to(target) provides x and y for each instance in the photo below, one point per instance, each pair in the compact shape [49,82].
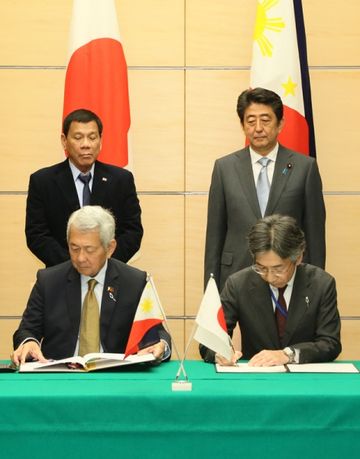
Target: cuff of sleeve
[167,351]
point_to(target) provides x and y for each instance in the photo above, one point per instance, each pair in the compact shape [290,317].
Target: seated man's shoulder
[124,268]
[315,272]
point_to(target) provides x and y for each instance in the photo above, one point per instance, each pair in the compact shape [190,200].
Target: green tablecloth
[133,413]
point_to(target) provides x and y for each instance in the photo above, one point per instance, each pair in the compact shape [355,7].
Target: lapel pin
[104,179]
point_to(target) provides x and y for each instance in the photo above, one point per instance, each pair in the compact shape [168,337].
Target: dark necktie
[263,185]
[280,317]
[85,178]
[89,340]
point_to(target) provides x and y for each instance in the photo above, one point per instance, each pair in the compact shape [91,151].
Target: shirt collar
[289,284]
[75,171]
[100,276]
[272,155]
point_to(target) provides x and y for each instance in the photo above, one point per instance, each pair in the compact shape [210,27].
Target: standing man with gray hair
[286,310]
[56,324]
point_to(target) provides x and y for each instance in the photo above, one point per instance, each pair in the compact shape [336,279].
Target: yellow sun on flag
[263,23]
[289,87]
[147,305]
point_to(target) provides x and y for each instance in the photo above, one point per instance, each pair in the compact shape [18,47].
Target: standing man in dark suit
[293,179]
[56,191]
[286,310]
[54,324]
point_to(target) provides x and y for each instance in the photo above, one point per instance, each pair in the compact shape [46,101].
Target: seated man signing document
[54,324]
[286,309]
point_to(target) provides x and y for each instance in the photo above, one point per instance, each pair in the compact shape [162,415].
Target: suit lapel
[65,183]
[244,170]
[102,179]
[263,308]
[282,174]
[298,305]
[73,293]
[109,298]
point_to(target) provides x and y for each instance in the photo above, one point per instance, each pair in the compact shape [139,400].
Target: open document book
[333,367]
[89,362]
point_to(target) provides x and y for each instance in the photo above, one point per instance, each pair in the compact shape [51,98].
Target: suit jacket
[52,197]
[313,323]
[233,208]
[53,312]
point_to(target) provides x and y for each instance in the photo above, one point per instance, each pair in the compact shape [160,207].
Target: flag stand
[183,384]
[178,384]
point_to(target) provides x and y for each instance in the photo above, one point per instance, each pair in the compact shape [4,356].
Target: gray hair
[278,233]
[93,218]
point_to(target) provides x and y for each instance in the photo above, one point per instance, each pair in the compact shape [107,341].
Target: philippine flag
[148,315]
[96,75]
[280,64]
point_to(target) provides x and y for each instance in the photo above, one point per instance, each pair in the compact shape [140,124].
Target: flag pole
[177,384]
[185,353]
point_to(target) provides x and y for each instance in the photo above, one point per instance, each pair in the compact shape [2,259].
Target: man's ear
[111,248]
[63,141]
[299,259]
[281,124]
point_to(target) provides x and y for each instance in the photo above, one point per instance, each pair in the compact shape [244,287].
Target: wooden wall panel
[18,267]
[30,121]
[153,32]
[343,250]
[193,351]
[7,329]
[335,105]
[195,220]
[219,33]
[176,328]
[350,340]
[34,33]
[162,249]
[332,30]
[212,126]
[157,129]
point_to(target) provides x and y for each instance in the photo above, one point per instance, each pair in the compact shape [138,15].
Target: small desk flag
[211,326]
[148,315]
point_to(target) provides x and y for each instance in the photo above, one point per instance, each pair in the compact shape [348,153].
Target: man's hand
[219,359]
[157,349]
[28,349]
[267,358]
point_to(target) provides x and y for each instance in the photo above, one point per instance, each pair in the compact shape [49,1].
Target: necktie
[281,318]
[90,326]
[85,178]
[263,185]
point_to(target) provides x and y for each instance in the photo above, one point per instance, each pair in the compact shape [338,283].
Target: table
[135,414]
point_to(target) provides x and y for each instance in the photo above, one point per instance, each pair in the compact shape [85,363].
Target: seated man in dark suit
[57,191]
[53,325]
[286,310]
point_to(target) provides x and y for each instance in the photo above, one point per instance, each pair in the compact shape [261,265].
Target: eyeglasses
[277,271]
